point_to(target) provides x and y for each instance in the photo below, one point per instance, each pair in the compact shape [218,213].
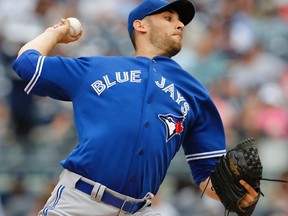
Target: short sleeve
[57,77]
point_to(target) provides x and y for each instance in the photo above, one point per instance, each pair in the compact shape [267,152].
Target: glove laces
[227,211]
[275,180]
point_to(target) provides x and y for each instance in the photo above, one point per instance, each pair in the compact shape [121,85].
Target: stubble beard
[165,43]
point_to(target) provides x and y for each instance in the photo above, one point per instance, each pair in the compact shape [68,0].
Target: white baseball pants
[66,200]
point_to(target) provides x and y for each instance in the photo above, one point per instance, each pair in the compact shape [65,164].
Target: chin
[173,52]
[176,49]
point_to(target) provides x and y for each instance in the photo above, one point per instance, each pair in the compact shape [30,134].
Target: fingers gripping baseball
[62,29]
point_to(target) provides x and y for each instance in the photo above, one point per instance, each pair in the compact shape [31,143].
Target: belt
[108,198]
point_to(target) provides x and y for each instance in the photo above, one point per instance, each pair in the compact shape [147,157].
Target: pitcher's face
[165,32]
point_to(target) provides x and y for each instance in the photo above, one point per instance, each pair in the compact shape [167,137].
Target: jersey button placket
[147,124]
[133,179]
[154,69]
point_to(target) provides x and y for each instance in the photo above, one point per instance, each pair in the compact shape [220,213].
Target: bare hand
[251,195]
[62,30]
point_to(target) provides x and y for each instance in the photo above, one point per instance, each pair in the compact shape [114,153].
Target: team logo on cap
[173,124]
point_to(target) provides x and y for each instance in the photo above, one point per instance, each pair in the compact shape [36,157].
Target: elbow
[24,66]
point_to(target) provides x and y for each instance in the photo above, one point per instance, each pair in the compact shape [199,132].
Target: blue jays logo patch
[173,124]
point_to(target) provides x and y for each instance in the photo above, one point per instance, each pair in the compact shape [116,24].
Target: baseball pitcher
[132,115]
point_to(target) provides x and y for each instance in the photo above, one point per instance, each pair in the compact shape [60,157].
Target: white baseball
[75,26]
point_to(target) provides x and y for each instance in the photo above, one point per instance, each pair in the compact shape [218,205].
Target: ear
[140,26]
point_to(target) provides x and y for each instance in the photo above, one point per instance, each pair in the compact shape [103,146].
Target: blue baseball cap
[184,8]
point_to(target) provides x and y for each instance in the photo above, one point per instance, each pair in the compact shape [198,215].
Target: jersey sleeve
[205,141]
[56,77]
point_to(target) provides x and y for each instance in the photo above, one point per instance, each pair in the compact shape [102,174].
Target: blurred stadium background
[237,48]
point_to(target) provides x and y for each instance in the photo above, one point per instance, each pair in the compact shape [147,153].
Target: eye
[168,18]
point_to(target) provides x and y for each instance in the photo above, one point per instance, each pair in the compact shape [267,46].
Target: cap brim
[184,8]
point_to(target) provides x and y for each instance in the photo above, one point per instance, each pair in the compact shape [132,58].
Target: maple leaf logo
[173,125]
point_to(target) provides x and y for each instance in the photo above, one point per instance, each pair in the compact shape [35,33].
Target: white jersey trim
[36,75]
[205,155]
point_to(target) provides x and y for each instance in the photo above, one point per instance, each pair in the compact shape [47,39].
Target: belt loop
[147,203]
[69,178]
[98,191]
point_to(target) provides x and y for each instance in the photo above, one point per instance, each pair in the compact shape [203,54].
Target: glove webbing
[227,211]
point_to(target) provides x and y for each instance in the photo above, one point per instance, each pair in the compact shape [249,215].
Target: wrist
[52,35]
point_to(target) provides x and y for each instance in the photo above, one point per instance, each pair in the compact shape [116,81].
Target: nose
[180,25]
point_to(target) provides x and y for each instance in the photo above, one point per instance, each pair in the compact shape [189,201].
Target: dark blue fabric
[110,199]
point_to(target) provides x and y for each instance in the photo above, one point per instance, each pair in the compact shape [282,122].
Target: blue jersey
[132,115]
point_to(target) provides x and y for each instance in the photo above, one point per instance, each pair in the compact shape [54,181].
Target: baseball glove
[241,162]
